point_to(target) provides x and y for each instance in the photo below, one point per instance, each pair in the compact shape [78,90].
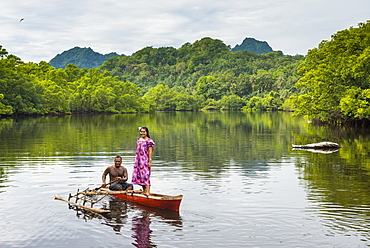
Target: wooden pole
[96,210]
[110,192]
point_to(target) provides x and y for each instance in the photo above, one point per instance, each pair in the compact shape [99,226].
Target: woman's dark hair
[147,131]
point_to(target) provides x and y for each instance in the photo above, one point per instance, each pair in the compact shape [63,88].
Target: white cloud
[53,26]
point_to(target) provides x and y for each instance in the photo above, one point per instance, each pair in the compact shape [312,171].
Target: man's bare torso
[117,172]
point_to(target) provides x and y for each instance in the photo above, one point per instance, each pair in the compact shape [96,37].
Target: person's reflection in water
[118,215]
[142,232]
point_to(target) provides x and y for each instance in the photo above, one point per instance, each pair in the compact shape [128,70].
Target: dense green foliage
[336,82]
[208,68]
[202,75]
[330,84]
[183,67]
[82,57]
[29,88]
[253,45]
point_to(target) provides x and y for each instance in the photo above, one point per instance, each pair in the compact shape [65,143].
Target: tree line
[330,83]
[203,75]
[335,86]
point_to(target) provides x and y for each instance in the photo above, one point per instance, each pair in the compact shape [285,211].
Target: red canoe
[154,200]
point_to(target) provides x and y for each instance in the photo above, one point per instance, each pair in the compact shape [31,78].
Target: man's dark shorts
[116,186]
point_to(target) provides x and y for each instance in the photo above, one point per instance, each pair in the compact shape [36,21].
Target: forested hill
[253,45]
[82,57]
[87,58]
[241,73]
[203,75]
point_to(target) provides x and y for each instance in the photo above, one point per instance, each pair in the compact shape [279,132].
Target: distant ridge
[82,57]
[253,45]
[87,58]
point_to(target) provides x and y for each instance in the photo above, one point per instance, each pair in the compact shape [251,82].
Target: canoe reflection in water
[141,218]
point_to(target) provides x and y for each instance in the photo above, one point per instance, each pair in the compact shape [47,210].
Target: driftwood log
[321,145]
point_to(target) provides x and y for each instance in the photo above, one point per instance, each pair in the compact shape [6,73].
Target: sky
[126,26]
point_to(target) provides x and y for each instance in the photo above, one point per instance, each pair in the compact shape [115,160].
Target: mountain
[82,57]
[253,45]
[87,58]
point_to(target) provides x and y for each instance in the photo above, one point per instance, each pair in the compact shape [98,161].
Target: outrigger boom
[109,192]
[96,210]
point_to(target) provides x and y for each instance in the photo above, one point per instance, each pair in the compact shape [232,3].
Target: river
[243,184]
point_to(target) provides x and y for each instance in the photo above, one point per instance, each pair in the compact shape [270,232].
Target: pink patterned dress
[141,172]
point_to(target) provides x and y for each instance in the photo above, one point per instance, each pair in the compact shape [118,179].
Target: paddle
[106,184]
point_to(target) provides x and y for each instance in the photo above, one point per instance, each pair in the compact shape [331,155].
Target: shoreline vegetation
[330,85]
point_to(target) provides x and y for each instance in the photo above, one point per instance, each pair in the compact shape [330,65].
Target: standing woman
[143,160]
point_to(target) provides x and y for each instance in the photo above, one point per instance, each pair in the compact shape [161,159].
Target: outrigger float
[153,200]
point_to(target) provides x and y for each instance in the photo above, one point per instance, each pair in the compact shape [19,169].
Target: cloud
[51,27]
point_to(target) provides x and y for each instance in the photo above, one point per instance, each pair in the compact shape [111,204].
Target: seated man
[117,176]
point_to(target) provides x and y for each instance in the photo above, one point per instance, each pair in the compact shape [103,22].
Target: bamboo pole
[96,210]
[110,192]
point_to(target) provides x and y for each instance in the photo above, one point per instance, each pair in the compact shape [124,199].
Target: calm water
[242,183]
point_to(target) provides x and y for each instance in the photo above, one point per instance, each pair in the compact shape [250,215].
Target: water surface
[242,183]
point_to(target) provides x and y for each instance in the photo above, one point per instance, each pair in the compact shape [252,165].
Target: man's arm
[125,174]
[104,176]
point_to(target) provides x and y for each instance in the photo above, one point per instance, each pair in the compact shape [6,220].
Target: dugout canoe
[154,200]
